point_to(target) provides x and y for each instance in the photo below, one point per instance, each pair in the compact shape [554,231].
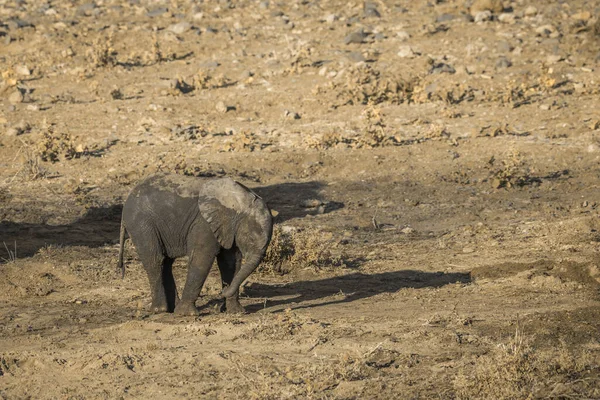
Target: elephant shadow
[347,288]
[296,199]
[100,225]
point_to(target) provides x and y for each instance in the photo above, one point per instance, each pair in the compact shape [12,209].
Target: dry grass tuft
[518,371]
[294,250]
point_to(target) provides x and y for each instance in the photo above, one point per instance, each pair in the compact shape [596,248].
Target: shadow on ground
[348,288]
[100,225]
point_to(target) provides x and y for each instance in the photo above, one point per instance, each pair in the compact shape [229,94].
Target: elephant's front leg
[200,262]
[229,262]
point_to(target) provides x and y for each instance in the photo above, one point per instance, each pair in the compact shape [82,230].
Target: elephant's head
[236,214]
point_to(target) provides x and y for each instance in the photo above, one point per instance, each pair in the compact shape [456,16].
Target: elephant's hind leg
[154,266]
[169,283]
[229,262]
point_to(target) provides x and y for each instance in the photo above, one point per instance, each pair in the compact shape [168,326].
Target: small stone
[22,70]
[503,62]
[406,52]
[545,107]
[180,27]
[408,230]
[440,68]
[531,11]
[12,132]
[468,250]
[291,114]
[483,16]
[444,18]
[370,10]
[493,6]
[263,5]
[33,107]
[357,37]
[403,35]
[331,18]
[157,12]
[506,18]
[553,58]
[221,107]
[16,97]
[545,30]
[582,16]
[198,16]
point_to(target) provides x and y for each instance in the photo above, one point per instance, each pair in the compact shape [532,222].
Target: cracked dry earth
[443,154]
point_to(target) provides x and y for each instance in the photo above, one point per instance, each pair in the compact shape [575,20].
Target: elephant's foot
[186,308]
[232,306]
[158,308]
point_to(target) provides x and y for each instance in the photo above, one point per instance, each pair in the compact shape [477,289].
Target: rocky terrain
[433,165]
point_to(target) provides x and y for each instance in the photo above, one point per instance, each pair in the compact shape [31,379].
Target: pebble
[483,16]
[442,68]
[180,27]
[358,37]
[403,35]
[22,70]
[33,107]
[503,62]
[406,52]
[331,18]
[370,10]
[493,6]
[547,31]
[506,18]
[221,107]
[531,11]
[291,114]
[468,250]
[444,18]
[198,16]
[16,97]
[582,16]
[408,230]
[157,12]
[553,58]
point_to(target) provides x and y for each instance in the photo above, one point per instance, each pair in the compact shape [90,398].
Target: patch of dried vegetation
[292,250]
[516,370]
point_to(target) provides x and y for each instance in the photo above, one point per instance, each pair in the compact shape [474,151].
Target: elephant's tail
[121,264]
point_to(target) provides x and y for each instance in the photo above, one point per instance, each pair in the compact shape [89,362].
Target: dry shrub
[512,171]
[56,146]
[101,54]
[291,250]
[202,81]
[518,371]
[366,85]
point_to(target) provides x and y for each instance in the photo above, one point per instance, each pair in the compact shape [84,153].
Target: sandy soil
[444,153]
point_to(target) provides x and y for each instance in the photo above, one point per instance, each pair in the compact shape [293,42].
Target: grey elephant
[169,216]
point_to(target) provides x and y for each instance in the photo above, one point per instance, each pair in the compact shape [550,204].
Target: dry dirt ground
[434,164]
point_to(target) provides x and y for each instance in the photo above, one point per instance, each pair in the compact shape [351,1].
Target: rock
[19,129]
[444,18]
[22,70]
[403,35]
[406,52]
[370,10]
[33,107]
[221,107]
[506,18]
[263,5]
[157,12]
[439,68]
[493,6]
[531,11]
[198,16]
[503,62]
[291,114]
[408,230]
[331,18]
[553,58]
[546,31]
[468,250]
[180,27]
[358,37]
[582,16]
[16,97]
[483,16]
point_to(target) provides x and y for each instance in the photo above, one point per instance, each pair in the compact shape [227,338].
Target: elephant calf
[169,216]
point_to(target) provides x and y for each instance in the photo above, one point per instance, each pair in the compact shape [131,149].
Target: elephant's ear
[222,220]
